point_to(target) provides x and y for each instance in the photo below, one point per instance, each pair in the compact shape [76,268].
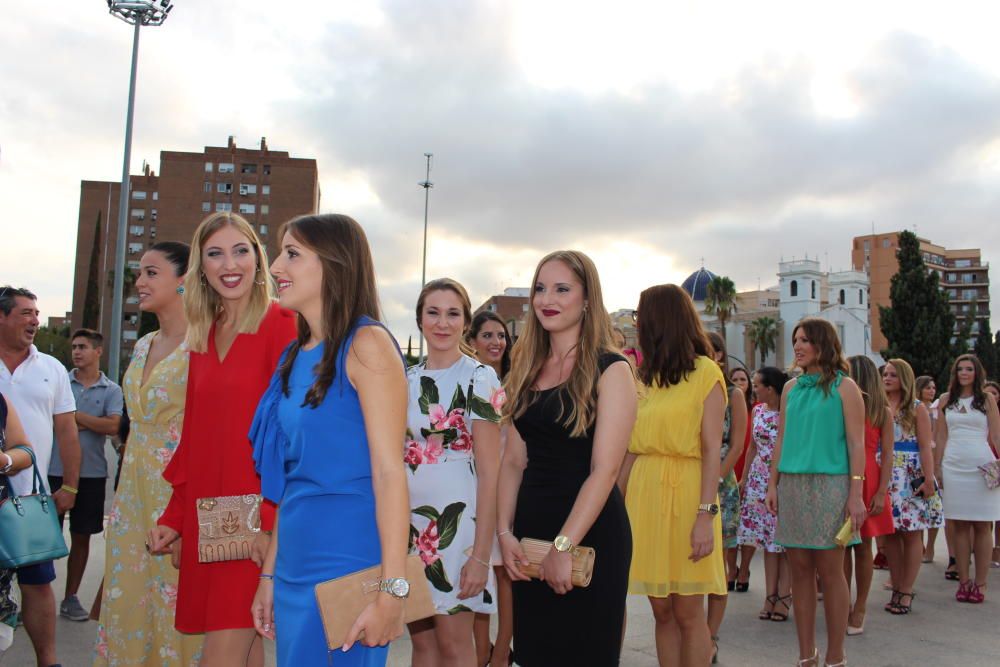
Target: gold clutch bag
[227,526]
[846,534]
[537,550]
[341,600]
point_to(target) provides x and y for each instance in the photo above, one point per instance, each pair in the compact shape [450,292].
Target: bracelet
[268,577]
[482,562]
[506,532]
[859,478]
[69,489]
[10,464]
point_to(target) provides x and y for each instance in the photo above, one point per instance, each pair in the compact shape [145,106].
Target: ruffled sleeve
[270,442]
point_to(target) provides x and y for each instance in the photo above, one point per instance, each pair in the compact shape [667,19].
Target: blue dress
[314,463]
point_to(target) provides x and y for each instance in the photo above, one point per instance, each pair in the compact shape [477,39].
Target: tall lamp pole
[136,13]
[426,185]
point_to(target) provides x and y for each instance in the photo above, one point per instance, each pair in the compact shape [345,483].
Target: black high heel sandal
[951,572]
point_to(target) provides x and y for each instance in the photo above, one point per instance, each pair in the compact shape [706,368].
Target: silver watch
[397,587]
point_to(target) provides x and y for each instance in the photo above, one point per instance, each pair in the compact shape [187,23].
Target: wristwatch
[562,543]
[711,508]
[397,587]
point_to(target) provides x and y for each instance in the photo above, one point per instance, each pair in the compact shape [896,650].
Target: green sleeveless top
[814,441]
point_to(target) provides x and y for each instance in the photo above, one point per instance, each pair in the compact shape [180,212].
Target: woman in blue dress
[326,441]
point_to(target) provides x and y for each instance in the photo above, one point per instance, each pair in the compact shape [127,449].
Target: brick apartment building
[266,187]
[962,272]
[512,307]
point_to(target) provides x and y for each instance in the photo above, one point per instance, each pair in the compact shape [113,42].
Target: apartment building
[264,186]
[512,307]
[963,275]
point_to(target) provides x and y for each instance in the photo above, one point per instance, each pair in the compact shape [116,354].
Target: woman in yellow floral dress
[140,590]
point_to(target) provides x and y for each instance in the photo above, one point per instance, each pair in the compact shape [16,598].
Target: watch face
[562,543]
[399,588]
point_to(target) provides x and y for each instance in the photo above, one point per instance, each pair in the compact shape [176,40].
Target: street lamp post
[426,185]
[137,13]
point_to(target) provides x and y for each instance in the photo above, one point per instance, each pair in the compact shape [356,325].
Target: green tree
[56,343]
[720,300]
[92,300]
[919,323]
[763,333]
[986,349]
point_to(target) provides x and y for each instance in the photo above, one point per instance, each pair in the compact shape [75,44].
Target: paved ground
[938,632]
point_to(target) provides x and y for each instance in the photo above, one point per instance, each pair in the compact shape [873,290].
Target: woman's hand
[702,538]
[927,489]
[877,504]
[262,609]
[771,499]
[258,548]
[856,510]
[175,553]
[472,579]
[557,571]
[378,623]
[160,538]
[513,557]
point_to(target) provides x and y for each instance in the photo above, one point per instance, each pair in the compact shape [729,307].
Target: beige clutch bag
[227,526]
[341,600]
[583,560]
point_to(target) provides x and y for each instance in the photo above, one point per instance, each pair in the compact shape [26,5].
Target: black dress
[583,627]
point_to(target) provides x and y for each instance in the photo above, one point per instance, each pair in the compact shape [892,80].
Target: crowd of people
[272,390]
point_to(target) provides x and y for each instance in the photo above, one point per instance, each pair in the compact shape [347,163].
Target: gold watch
[562,543]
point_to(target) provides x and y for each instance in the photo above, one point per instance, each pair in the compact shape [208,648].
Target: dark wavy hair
[478,321]
[773,378]
[348,291]
[671,336]
[822,336]
[978,383]
[749,391]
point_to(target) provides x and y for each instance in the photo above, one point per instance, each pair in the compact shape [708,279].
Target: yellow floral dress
[140,590]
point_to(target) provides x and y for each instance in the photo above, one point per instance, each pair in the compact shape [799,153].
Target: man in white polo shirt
[38,387]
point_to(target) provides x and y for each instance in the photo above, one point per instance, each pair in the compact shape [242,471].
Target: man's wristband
[69,489]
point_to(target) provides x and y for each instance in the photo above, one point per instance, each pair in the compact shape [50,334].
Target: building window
[134,248]
[886,243]
[226,167]
[970,294]
[264,209]
[524,307]
[962,263]
[156,196]
[968,278]
[493,308]
[139,213]
[206,206]
[132,264]
[225,188]
[248,209]
[814,289]
[138,194]
[265,189]
[136,230]
[794,288]
[208,167]
[861,297]
[263,230]
[248,169]
[868,245]
[208,186]
[132,299]
[130,335]
[152,215]
[248,189]
[223,206]
[843,298]
[267,170]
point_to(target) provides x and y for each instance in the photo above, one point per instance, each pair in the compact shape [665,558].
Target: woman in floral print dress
[140,589]
[452,452]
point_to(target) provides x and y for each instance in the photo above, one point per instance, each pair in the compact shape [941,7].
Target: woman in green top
[817,471]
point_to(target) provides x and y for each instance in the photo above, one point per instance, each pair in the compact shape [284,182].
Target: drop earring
[259,282]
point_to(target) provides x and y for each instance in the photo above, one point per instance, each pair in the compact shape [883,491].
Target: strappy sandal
[743,586]
[951,572]
[782,616]
[805,662]
[901,609]
[765,615]
[715,650]
[893,601]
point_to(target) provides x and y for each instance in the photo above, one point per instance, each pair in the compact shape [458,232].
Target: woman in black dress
[572,403]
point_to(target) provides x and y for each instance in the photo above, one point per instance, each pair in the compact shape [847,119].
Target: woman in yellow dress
[140,590]
[671,476]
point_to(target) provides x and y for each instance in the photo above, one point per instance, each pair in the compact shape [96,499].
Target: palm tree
[720,300]
[763,333]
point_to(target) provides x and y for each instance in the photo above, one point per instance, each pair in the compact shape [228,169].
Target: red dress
[881,524]
[742,461]
[214,459]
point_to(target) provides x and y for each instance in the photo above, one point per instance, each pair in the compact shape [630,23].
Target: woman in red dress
[879,442]
[236,334]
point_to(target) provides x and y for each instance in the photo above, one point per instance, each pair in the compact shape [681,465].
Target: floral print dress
[140,590]
[442,474]
[910,512]
[757,524]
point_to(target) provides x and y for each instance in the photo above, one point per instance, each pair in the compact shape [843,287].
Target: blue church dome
[697,283]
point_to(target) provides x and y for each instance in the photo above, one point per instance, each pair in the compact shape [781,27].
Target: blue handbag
[30,531]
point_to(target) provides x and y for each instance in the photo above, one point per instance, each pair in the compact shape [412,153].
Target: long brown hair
[906,412]
[202,304]
[978,384]
[533,348]
[719,347]
[671,336]
[481,318]
[822,336]
[866,376]
[348,291]
[450,285]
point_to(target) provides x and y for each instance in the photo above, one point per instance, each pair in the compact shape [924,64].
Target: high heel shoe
[854,631]
[743,586]
[976,594]
[951,572]
[842,663]
[715,650]
[964,588]
[805,662]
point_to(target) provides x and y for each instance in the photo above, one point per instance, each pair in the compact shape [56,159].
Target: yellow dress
[664,490]
[140,590]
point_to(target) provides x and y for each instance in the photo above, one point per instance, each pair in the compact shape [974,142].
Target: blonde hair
[906,414]
[202,304]
[865,375]
[533,348]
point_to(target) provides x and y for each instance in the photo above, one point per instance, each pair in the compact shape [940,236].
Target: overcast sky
[647,134]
